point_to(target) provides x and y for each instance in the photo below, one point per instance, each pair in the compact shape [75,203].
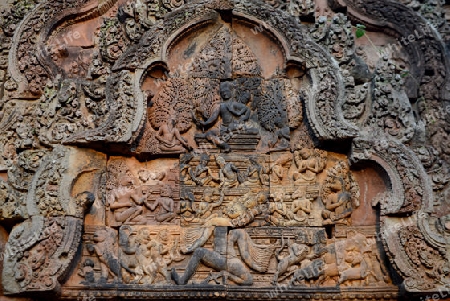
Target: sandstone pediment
[237,149]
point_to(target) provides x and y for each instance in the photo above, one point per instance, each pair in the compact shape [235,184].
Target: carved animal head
[85,200]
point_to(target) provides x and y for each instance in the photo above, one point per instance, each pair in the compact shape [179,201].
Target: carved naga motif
[41,249]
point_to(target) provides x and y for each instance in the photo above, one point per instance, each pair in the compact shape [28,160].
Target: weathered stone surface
[239,149]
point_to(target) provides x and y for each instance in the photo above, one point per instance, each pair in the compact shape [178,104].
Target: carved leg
[299,278]
[166,217]
[175,252]
[199,242]
[171,217]
[127,215]
[212,137]
[162,269]
[218,278]
[243,240]
[281,269]
[275,279]
[151,271]
[272,220]
[207,257]
[138,211]
[104,272]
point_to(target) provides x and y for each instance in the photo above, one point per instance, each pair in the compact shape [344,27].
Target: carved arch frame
[298,47]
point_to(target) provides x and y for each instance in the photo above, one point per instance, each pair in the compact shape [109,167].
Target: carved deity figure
[377,272]
[238,213]
[204,209]
[297,253]
[205,216]
[309,163]
[278,168]
[228,174]
[145,256]
[126,202]
[256,174]
[244,210]
[309,270]
[360,261]
[201,174]
[150,256]
[280,215]
[340,194]
[150,177]
[354,266]
[185,167]
[157,249]
[103,248]
[127,253]
[166,204]
[170,139]
[301,206]
[187,210]
[87,271]
[144,270]
[282,135]
[338,204]
[330,268]
[232,267]
[233,114]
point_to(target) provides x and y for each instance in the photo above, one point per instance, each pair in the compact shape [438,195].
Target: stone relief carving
[137,196]
[40,259]
[237,149]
